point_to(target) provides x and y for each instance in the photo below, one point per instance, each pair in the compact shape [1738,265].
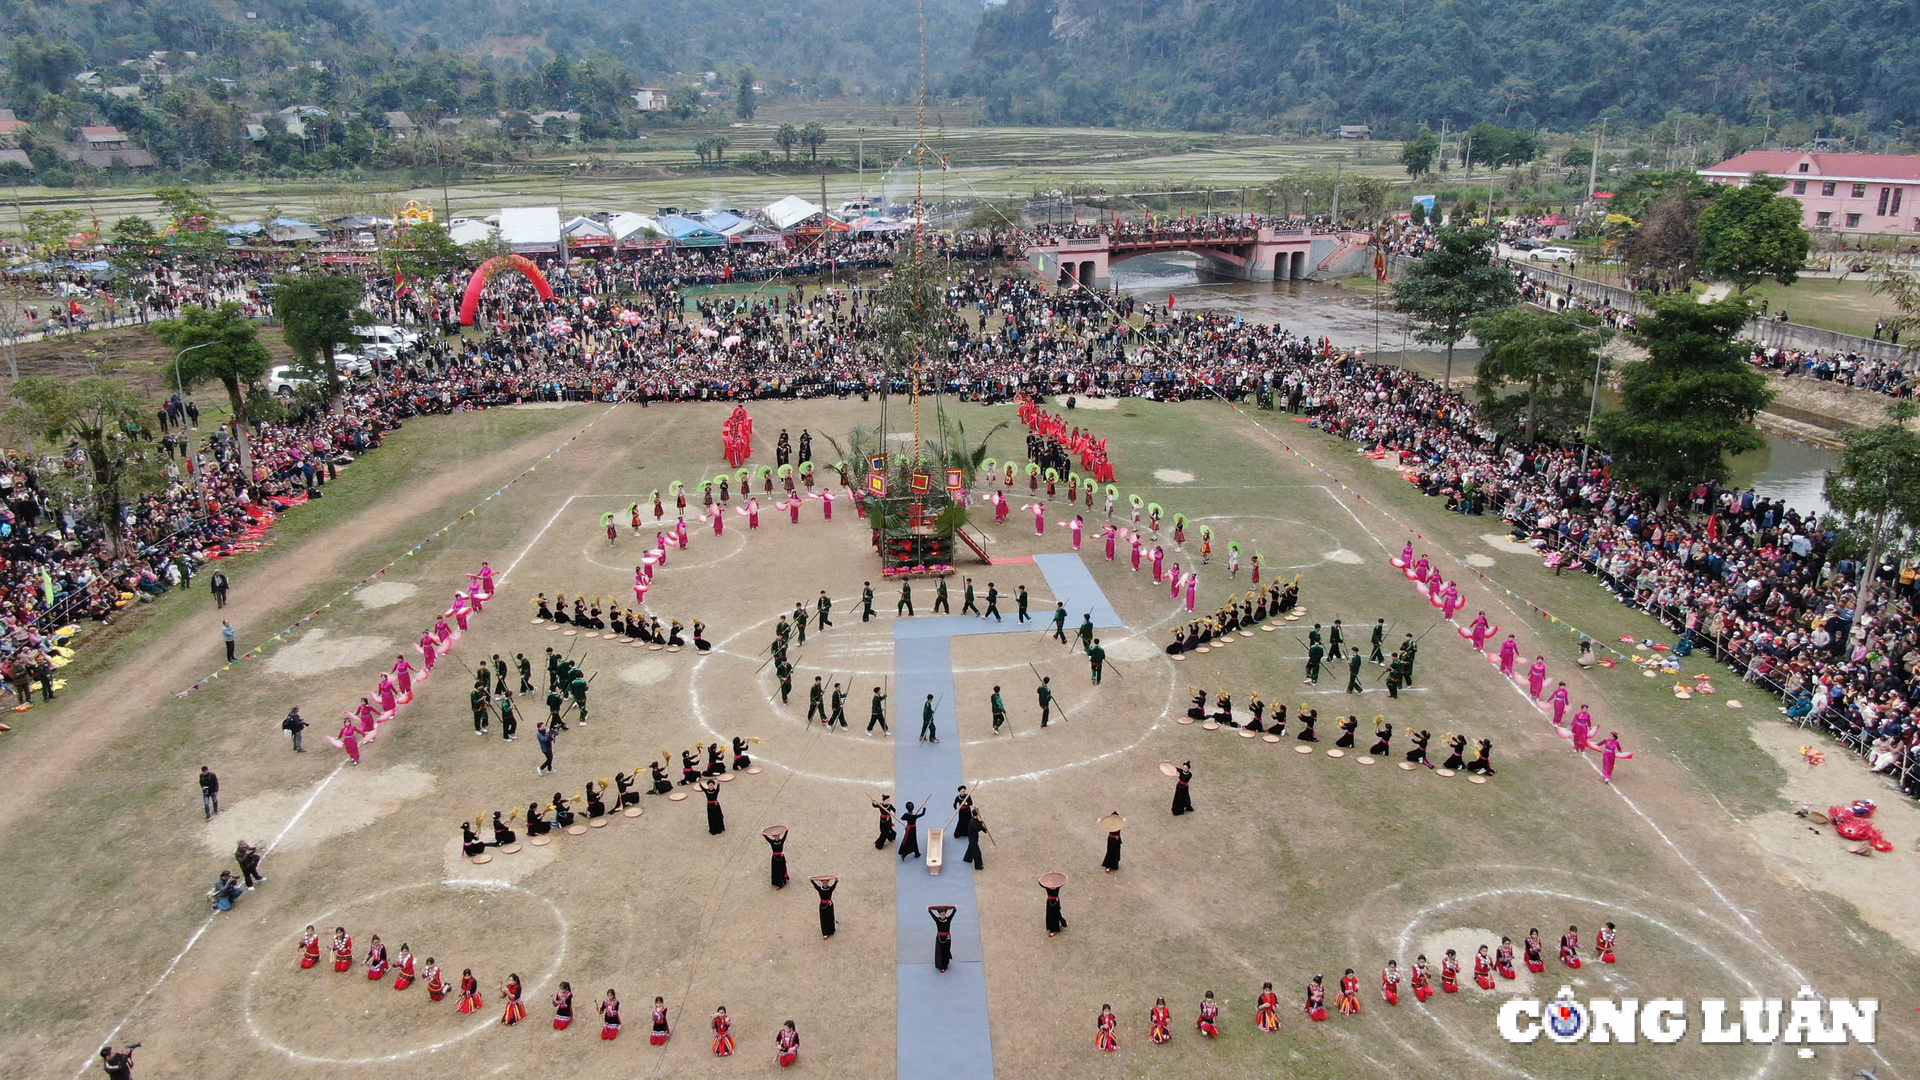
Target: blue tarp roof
[681,227]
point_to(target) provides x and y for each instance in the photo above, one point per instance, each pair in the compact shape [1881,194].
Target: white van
[386,335]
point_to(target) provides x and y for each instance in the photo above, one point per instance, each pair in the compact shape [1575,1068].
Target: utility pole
[862,151]
[1336,194]
[1593,167]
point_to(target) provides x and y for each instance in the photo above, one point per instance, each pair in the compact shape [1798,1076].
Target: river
[1348,313]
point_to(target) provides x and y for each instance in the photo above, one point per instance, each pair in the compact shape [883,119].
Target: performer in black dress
[661,785]
[562,812]
[1182,800]
[777,839]
[824,885]
[1383,737]
[740,758]
[963,813]
[1112,861]
[974,829]
[1418,755]
[596,801]
[716,821]
[1259,710]
[1056,920]
[1482,762]
[943,932]
[910,837]
[1456,758]
[885,806]
[1308,718]
[1198,710]
[716,761]
[536,825]
[1347,728]
[470,842]
[502,832]
[624,783]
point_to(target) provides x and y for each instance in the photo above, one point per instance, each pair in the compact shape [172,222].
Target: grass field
[994,163]
[1295,864]
[1848,306]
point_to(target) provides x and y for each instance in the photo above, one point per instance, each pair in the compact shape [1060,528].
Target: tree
[1752,233]
[1691,403]
[1549,357]
[99,414]
[134,243]
[786,138]
[1899,285]
[424,252]
[720,144]
[1453,283]
[194,236]
[1664,245]
[1875,491]
[1418,153]
[47,231]
[225,349]
[745,100]
[317,313]
[813,137]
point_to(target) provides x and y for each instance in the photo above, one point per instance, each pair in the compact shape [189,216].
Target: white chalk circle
[1173,476]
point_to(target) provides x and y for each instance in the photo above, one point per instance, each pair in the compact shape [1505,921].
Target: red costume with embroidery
[1483,970]
[376,961]
[1450,975]
[1316,1004]
[516,1009]
[1266,1014]
[1349,997]
[1603,944]
[786,1047]
[1570,949]
[309,951]
[1390,985]
[436,986]
[1536,963]
[562,1010]
[1160,1025]
[1106,1039]
[610,1019]
[1422,981]
[342,953]
[470,999]
[1209,1021]
[661,1032]
[722,1035]
[403,978]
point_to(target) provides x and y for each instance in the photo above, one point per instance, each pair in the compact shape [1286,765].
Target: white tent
[634,229]
[530,228]
[789,212]
[464,231]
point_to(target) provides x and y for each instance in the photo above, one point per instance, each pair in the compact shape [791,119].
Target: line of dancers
[470,999]
[696,765]
[627,623]
[1313,1003]
[362,724]
[1248,610]
[1219,710]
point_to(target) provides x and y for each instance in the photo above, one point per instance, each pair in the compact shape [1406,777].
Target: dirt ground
[1295,864]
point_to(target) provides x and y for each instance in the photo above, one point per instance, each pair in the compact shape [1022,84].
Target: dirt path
[54,751]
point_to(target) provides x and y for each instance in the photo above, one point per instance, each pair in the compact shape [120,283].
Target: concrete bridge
[1252,254]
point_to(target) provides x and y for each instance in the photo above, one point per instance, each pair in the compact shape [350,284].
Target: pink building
[1864,193]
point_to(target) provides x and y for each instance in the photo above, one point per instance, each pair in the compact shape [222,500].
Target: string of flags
[282,635]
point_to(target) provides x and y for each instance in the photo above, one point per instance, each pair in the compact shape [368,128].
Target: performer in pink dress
[826,504]
[793,510]
[1582,728]
[1134,547]
[349,741]
[1000,507]
[388,701]
[1039,519]
[1509,650]
[1450,600]
[1559,700]
[753,513]
[367,715]
[1159,556]
[1173,589]
[1537,677]
[1112,538]
[486,580]
[459,611]
[1609,753]
[1077,526]
[1193,590]
[719,521]
[1479,630]
[403,678]
[680,534]
[428,651]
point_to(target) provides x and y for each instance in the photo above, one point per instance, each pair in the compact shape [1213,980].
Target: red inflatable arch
[471,302]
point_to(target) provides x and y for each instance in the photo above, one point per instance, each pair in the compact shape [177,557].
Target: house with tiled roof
[1863,193]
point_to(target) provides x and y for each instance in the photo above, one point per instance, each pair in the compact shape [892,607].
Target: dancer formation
[1488,961]
[470,998]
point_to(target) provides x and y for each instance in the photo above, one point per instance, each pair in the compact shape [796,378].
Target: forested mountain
[1396,63]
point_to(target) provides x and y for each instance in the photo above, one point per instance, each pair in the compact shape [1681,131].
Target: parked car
[386,335]
[283,381]
[353,363]
[1554,253]
[1528,243]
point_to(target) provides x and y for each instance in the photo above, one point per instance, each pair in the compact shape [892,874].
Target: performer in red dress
[1209,1021]
[610,1017]
[342,950]
[1570,947]
[1483,969]
[1316,1003]
[661,1032]
[1536,962]
[1349,996]
[1503,959]
[470,999]
[376,959]
[516,1009]
[786,1045]
[1266,1012]
[403,974]
[1106,1040]
[1160,1023]
[1450,973]
[563,1007]
[436,986]
[1422,981]
[722,1026]
[309,951]
[1603,943]
[1390,983]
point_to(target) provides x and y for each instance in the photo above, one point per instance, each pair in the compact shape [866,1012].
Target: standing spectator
[226,635]
[546,749]
[248,857]
[218,583]
[209,792]
[118,1063]
[293,725]
[193,414]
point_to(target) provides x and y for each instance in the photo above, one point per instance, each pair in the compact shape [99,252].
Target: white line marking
[536,539]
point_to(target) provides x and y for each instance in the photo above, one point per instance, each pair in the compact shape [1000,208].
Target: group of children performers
[396,684]
[1248,611]
[470,999]
[1266,1012]
[1219,709]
